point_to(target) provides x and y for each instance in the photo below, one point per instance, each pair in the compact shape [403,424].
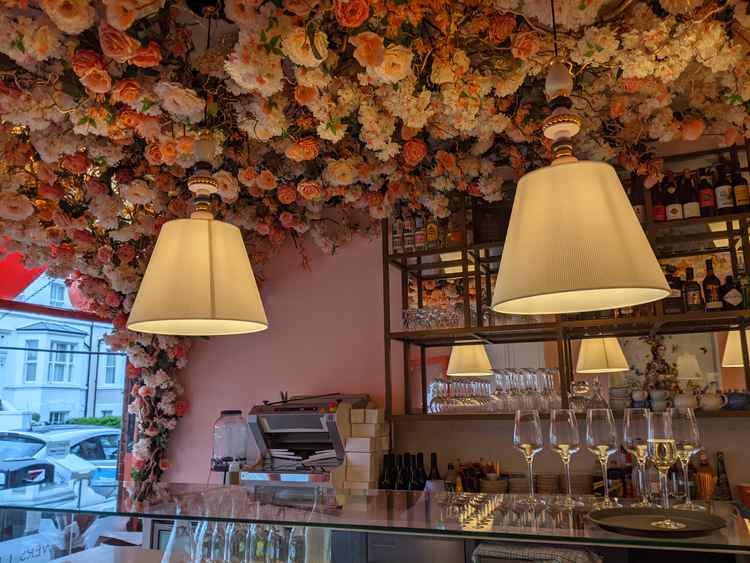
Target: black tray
[638,522]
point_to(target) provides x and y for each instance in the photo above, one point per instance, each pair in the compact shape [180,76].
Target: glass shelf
[466,515]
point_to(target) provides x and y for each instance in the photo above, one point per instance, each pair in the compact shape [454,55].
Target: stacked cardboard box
[365,448]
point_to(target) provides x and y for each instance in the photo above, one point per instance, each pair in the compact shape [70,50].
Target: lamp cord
[554,25]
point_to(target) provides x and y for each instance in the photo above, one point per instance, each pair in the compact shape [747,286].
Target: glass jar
[230,437]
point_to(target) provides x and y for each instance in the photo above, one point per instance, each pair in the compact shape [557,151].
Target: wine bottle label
[691,209]
[742,194]
[674,211]
[724,197]
[733,297]
[397,243]
[660,213]
[408,241]
[707,198]
[432,232]
[693,297]
[640,212]
[419,238]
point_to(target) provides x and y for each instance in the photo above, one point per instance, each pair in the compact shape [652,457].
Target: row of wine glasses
[662,438]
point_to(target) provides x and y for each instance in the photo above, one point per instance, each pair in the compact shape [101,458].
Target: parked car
[98,445]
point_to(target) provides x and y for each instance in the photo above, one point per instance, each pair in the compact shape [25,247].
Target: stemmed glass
[601,440]
[527,438]
[687,441]
[564,439]
[635,440]
[662,453]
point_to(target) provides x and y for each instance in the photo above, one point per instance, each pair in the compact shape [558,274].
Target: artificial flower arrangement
[322,114]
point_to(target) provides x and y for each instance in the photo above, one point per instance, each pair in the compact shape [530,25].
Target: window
[110,364]
[107,412]
[58,417]
[61,362]
[30,361]
[97,448]
[56,294]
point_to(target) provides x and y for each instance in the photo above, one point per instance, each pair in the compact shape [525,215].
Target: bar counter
[477,516]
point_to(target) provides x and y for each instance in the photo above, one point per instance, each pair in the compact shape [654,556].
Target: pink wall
[325,335]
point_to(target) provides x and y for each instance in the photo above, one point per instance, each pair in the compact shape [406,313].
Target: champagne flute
[527,438]
[635,440]
[601,440]
[564,439]
[662,453]
[687,441]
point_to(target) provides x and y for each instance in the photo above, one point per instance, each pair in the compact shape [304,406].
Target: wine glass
[635,440]
[662,453]
[687,441]
[564,439]
[601,440]
[527,438]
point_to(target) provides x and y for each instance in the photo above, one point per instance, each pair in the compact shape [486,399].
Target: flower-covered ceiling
[323,113]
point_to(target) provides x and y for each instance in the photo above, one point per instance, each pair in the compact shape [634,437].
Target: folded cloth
[486,552]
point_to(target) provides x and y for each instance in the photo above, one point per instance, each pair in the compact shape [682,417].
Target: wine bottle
[405,478]
[636,200]
[741,192]
[706,195]
[420,235]
[712,288]
[431,230]
[691,291]
[673,205]
[397,231]
[385,473]
[658,205]
[434,473]
[723,490]
[690,201]
[724,193]
[731,294]
[398,471]
[706,478]
[673,304]
[420,475]
[408,231]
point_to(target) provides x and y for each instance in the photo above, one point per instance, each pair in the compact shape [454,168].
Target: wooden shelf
[510,416]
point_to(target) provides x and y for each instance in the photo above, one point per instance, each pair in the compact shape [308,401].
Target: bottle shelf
[544,416]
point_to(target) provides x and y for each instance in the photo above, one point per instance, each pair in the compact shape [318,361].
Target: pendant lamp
[601,355]
[469,360]
[733,350]
[574,242]
[199,281]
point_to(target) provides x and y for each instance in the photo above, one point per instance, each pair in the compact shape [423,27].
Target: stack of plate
[518,485]
[547,483]
[497,486]
[582,483]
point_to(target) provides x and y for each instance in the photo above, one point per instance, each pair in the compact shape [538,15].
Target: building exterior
[54,367]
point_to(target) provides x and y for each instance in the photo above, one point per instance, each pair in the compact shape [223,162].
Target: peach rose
[297,46]
[262,229]
[185,144]
[266,180]
[121,13]
[129,118]
[76,163]
[15,207]
[50,191]
[241,12]
[501,26]
[446,162]
[42,42]
[310,189]
[168,150]
[525,45]
[71,16]
[126,91]
[369,49]
[300,7]
[287,195]
[304,149]
[116,44]
[351,13]
[247,176]
[84,60]
[413,151]
[286,219]
[148,127]
[146,57]
[153,154]
[228,189]
[304,95]
[396,64]
[692,128]
[125,253]
[97,80]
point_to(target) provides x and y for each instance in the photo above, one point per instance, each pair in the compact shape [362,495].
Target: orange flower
[446,162]
[305,94]
[168,150]
[414,151]
[266,180]
[525,45]
[304,149]
[126,91]
[369,50]
[146,57]
[310,189]
[300,7]
[185,144]
[692,128]
[84,60]
[287,194]
[375,199]
[351,13]
[116,44]
[76,163]
[129,118]
[153,154]
[501,26]
[247,176]
[121,13]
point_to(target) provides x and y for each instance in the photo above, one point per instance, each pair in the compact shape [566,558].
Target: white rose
[296,45]
[137,192]
[227,187]
[180,102]
[71,16]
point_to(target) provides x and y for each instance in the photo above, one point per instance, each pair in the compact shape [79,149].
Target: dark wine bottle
[741,192]
[420,475]
[672,203]
[691,206]
[724,192]
[707,198]
[723,490]
[712,288]
[405,477]
[691,291]
[731,294]
[658,205]
[434,473]
[673,304]
[397,472]
[636,200]
[384,482]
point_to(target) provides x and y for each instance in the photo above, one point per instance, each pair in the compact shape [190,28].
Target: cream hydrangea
[183,103]
[597,46]
[297,45]
[253,68]
[70,16]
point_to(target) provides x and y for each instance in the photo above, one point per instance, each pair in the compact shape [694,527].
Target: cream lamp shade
[601,355]
[733,350]
[199,282]
[469,360]
[574,244]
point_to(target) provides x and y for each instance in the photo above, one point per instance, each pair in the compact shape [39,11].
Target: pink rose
[125,253]
[104,254]
[286,219]
[286,194]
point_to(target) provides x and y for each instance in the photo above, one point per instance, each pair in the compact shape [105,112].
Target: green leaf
[147,104]
[212,109]
[83,121]
[310,32]
[17,43]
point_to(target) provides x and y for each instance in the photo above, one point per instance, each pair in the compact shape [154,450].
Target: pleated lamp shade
[601,355]
[574,244]
[199,282]
[469,361]
[733,350]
